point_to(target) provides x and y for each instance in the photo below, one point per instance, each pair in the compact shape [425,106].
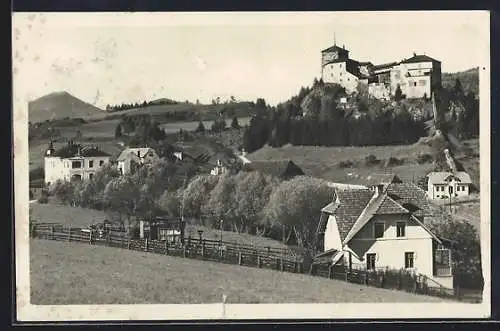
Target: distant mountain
[468,78]
[59,105]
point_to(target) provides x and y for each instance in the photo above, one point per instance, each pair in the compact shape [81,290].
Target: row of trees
[126,106]
[249,202]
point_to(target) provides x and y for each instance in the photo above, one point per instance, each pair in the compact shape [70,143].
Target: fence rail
[209,250]
[231,253]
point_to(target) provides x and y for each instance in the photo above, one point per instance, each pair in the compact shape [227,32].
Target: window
[370,261]
[422,82]
[378,229]
[340,74]
[91,164]
[90,176]
[414,83]
[76,164]
[409,258]
[101,163]
[400,229]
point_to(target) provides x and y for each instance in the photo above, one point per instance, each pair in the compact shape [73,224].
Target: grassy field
[69,273]
[82,217]
[323,162]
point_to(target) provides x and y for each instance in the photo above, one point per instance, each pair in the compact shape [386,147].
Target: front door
[370,261]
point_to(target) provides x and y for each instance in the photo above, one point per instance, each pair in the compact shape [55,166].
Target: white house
[73,162]
[446,185]
[219,169]
[384,227]
[135,156]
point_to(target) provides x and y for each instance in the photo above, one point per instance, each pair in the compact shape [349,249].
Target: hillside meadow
[71,273]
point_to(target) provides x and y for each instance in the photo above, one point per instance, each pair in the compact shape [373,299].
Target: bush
[394,161]
[44,198]
[371,160]
[346,164]
[424,158]
[201,127]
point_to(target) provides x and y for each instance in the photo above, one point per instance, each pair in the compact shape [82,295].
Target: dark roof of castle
[419,58]
[334,48]
[282,169]
[72,150]
[384,66]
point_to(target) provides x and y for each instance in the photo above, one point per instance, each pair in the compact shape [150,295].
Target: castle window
[91,164]
[76,165]
[414,83]
[101,163]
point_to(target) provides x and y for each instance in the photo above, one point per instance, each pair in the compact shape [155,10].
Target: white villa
[446,185]
[384,227]
[131,157]
[73,162]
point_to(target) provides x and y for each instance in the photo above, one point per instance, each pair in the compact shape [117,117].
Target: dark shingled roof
[411,197]
[334,48]
[352,203]
[71,150]
[282,169]
[419,58]
[389,206]
[384,66]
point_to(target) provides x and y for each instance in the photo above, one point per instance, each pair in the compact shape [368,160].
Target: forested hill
[324,115]
[468,78]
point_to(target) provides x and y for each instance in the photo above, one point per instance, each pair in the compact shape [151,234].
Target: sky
[109,58]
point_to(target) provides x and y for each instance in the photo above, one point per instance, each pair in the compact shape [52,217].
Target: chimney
[378,189]
[343,46]
[414,54]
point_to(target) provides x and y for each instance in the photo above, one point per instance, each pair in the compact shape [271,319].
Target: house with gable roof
[130,158]
[446,184]
[384,227]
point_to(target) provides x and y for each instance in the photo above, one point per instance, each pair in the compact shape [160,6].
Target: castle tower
[50,150]
[333,53]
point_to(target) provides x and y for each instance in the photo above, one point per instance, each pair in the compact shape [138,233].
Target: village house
[73,162]
[384,227]
[417,77]
[219,169]
[131,158]
[447,185]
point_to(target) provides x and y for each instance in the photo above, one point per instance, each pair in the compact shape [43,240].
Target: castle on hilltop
[417,77]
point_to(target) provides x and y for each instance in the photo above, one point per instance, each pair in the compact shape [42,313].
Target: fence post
[457,292]
[203,248]
[128,243]
[400,280]
[69,234]
[52,231]
[281,264]
[90,237]
[184,251]
[108,238]
[258,261]
[240,258]
[346,270]
[330,271]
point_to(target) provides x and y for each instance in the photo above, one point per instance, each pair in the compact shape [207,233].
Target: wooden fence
[395,280]
[208,250]
[251,256]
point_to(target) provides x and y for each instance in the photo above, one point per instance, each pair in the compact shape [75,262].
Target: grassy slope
[69,273]
[323,162]
[81,217]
